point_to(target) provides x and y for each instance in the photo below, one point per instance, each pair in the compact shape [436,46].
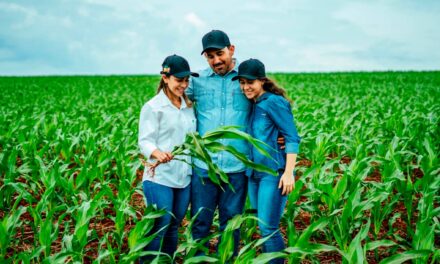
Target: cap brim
[217,47]
[245,76]
[186,73]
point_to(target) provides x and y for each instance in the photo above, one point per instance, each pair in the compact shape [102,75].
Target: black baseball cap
[177,66]
[215,39]
[250,69]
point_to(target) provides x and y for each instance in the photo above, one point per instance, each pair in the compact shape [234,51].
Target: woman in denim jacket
[271,118]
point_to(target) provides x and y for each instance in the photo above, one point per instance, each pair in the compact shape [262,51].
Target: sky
[95,37]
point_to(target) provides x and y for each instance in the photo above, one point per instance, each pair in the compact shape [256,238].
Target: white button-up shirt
[163,126]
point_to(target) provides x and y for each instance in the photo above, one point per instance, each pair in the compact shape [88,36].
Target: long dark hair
[270,86]
[163,86]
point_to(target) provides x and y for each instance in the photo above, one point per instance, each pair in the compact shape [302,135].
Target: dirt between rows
[301,222]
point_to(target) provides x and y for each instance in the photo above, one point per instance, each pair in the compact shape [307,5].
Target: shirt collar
[164,100]
[234,70]
[263,97]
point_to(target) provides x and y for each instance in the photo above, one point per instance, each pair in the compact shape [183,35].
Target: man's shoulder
[204,73]
[202,81]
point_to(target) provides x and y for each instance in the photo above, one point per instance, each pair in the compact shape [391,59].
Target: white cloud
[18,11]
[111,37]
[194,20]
[408,26]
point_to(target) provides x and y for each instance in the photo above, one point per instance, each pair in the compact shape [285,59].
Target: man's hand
[281,142]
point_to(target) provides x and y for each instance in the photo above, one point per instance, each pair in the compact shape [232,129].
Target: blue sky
[134,36]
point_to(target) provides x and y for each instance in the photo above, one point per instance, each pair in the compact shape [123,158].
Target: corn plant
[8,229]
[369,153]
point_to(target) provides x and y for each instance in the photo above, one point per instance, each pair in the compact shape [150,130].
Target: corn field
[368,172]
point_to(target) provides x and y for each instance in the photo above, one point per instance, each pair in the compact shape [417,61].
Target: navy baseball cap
[215,39]
[177,66]
[250,69]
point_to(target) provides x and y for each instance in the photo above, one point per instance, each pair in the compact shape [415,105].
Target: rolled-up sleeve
[280,112]
[148,129]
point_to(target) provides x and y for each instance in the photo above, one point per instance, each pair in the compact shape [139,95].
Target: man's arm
[190,90]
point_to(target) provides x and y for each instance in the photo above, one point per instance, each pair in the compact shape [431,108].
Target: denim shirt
[219,101]
[272,117]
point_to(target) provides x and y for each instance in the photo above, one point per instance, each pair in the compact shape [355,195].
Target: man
[219,101]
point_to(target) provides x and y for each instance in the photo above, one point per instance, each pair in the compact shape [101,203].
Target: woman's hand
[287,183]
[161,156]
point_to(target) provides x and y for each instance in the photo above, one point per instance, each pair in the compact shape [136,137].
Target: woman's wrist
[288,172]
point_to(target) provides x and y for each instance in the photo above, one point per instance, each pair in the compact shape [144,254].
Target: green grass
[368,188]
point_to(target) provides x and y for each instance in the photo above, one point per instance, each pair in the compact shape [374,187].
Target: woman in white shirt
[164,122]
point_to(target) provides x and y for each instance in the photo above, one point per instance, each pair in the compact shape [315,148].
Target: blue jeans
[173,200]
[266,198]
[207,196]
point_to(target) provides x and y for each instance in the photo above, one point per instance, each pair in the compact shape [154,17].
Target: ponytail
[162,86]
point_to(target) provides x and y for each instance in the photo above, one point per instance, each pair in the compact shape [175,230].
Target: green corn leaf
[232,133]
[379,243]
[267,257]
[217,147]
[305,236]
[405,256]
[201,259]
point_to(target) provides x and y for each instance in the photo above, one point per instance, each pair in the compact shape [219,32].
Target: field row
[368,186]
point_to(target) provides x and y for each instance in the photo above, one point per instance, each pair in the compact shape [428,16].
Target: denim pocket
[240,102]
[262,123]
[206,99]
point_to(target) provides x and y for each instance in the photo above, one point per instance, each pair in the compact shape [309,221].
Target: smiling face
[220,60]
[252,88]
[176,86]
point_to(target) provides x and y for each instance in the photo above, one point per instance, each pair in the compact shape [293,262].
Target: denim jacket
[272,117]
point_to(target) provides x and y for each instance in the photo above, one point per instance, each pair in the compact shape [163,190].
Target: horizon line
[269,73]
